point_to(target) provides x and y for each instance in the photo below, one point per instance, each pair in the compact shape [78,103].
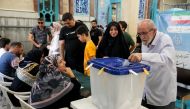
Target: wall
[129,10]
[17,20]
[64,7]
[165,7]
[26,5]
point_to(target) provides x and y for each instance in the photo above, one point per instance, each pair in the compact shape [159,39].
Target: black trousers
[169,106]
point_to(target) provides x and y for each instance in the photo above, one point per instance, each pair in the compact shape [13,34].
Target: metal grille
[48,9]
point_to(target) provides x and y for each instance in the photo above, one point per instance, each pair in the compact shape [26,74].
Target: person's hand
[48,47]
[135,57]
[15,62]
[38,45]
[69,72]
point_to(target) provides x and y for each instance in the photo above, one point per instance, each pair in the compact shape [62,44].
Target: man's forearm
[31,39]
[62,49]
[132,48]
[100,38]
[34,43]
[62,52]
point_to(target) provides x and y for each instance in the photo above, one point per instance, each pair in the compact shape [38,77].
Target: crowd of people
[47,69]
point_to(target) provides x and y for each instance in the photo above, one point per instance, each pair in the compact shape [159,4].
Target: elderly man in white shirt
[4,45]
[157,51]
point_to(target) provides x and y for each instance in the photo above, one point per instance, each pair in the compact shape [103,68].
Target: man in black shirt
[95,33]
[71,49]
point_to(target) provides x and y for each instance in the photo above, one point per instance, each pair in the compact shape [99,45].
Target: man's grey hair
[150,24]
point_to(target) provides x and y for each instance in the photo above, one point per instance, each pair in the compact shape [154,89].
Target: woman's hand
[69,72]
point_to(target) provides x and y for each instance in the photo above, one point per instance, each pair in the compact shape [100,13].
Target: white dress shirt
[161,84]
[2,51]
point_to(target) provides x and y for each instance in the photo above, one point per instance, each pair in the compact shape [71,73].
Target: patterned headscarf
[49,64]
[51,84]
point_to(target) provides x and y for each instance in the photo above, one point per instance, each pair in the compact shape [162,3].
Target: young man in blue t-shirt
[10,60]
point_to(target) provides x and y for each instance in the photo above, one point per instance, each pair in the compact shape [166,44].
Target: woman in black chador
[113,43]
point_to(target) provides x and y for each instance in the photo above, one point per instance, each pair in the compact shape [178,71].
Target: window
[49,10]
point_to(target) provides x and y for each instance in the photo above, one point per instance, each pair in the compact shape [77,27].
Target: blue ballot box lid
[115,66]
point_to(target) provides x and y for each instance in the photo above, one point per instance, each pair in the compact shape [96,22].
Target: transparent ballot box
[115,85]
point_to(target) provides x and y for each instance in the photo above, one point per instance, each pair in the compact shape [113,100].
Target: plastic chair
[5,90]
[183,91]
[2,77]
[23,103]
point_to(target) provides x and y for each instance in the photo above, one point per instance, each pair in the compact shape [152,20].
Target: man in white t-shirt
[4,45]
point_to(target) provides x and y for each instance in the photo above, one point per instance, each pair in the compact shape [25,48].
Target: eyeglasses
[40,22]
[144,33]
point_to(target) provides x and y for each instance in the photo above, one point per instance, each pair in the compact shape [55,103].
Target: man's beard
[147,42]
[18,54]
[93,27]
